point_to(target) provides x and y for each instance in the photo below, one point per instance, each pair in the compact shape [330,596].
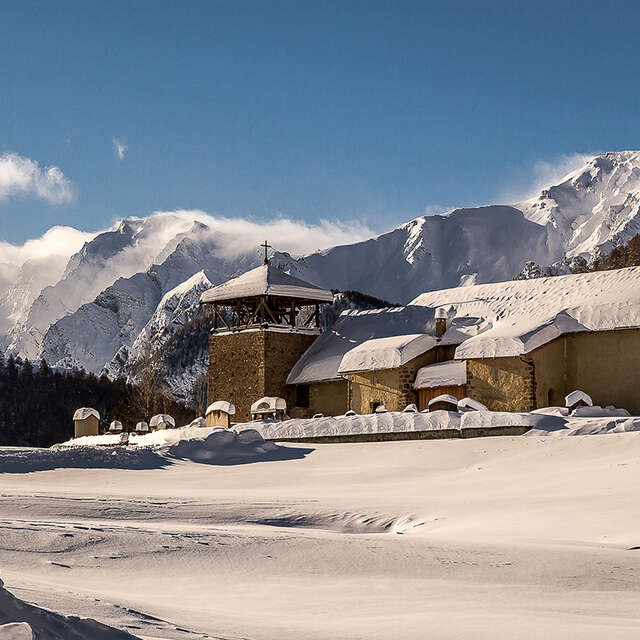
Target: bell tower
[263,321]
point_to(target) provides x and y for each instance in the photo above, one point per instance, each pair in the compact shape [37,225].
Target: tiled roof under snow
[515,317]
[266,280]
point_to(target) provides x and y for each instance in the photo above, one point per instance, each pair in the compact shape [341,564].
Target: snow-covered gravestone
[142,428]
[445,402]
[86,422]
[577,399]
[269,407]
[162,421]
[219,414]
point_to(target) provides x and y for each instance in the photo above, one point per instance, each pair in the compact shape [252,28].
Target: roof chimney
[441,322]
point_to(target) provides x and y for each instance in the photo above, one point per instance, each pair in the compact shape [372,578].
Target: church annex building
[513,346]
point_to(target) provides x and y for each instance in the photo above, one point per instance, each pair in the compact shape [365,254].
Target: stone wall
[329,398]
[391,387]
[602,363]
[503,384]
[244,366]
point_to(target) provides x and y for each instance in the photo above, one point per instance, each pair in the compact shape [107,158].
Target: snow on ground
[521,537]
[156,450]
[25,621]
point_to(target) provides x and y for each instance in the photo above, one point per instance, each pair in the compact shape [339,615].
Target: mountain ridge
[97,315]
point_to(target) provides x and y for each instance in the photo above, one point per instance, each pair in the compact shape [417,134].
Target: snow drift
[210,445]
[22,621]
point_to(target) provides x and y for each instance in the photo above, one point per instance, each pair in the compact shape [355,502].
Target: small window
[302,396]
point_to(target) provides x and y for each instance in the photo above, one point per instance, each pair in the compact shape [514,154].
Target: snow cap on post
[445,402]
[115,425]
[222,405]
[469,404]
[577,398]
[84,412]
[162,418]
[269,403]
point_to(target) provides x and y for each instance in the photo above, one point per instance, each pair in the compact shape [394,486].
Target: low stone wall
[436,434]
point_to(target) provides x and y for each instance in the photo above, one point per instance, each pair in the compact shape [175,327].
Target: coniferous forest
[37,403]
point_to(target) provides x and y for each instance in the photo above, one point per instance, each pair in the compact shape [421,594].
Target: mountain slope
[132,288]
[435,252]
[594,208]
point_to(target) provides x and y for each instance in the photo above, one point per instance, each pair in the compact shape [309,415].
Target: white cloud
[21,176]
[544,174]
[57,241]
[239,236]
[120,149]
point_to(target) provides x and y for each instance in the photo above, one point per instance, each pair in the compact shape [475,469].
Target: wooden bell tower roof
[266,280]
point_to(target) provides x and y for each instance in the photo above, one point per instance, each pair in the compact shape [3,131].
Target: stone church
[513,346]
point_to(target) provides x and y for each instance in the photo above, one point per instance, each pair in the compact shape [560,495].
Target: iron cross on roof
[266,255]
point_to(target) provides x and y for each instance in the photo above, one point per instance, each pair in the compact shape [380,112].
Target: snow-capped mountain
[130,289]
[133,246]
[481,244]
[594,208]
[172,313]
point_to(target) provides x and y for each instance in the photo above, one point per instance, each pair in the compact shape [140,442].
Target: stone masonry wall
[244,366]
[282,351]
[503,384]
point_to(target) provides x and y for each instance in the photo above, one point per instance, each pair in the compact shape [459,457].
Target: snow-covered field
[521,537]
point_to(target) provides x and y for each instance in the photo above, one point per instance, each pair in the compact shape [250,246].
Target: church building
[512,346]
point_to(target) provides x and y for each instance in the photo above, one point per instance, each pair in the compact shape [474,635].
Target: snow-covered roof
[451,373]
[445,397]
[576,396]
[162,417]
[221,405]
[513,318]
[386,353]
[269,403]
[266,280]
[142,426]
[84,412]
[471,404]
[322,360]
[115,425]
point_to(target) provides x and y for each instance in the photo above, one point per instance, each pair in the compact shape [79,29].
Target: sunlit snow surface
[522,537]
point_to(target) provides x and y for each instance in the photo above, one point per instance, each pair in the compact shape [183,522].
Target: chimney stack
[441,322]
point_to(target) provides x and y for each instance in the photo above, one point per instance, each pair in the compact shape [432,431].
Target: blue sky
[369,111]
